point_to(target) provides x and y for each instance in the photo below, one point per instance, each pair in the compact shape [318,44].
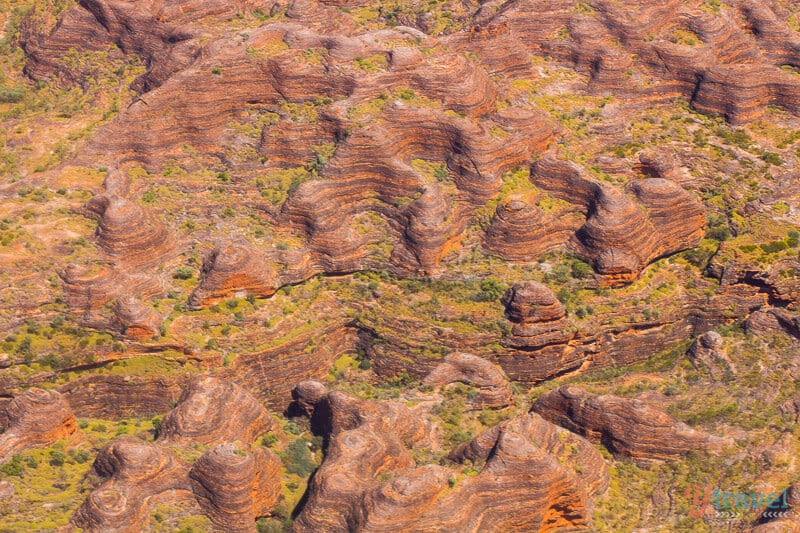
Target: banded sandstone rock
[232,270]
[494,390]
[138,473]
[234,486]
[368,441]
[537,316]
[231,483]
[136,320]
[620,235]
[35,419]
[627,427]
[211,410]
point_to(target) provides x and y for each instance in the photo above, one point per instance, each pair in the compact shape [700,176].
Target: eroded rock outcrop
[136,320]
[537,316]
[34,419]
[706,352]
[135,246]
[783,515]
[494,390]
[521,231]
[364,440]
[127,233]
[621,235]
[502,497]
[213,410]
[231,270]
[771,320]
[234,486]
[139,472]
[112,397]
[627,427]
[232,483]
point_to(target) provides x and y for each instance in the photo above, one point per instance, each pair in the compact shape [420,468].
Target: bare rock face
[627,427]
[364,439]
[619,232]
[771,320]
[537,316]
[620,235]
[110,397]
[521,231]
[657,163]
[494,390]
[204,414]
[87,289]
[231,483]
[677,216]
[138,472]
[306,395]
[136,320]
[134,246]
[232,270]
[35,418]
[369,441]
[234,486]
[125,231]
[706,352]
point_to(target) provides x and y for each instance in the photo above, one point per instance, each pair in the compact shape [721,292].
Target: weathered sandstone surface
[204,414]
[494,390]
[369,441]
[35,419]
[627,427]
[706,352]
[235,487]
[537,316]
[231,483]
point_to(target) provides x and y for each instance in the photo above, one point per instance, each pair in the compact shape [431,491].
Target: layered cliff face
[537,315]
[627,428]
[443,212]
[37,418]
[202,414]
[493,387]
[231,483]
[369,442]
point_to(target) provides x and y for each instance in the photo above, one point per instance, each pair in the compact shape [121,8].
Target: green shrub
[293,428]
[774,247]
[269,439]
[772,158]
[11,95]
[491,290]
[57,458]
[269,525]
[13,467]
[581,270]
[718,228]
[184,272]
[297,458]
[82,456]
